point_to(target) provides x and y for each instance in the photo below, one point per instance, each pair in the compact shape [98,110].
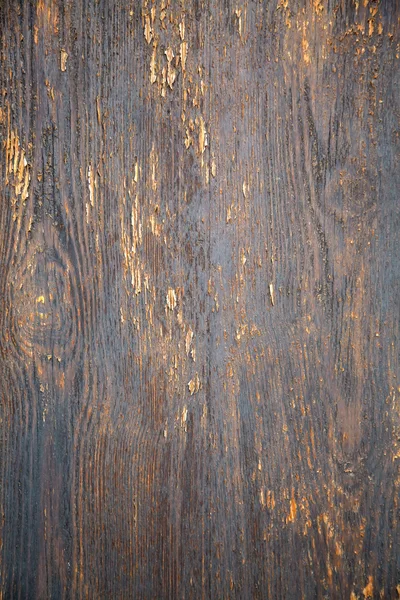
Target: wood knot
[43,306]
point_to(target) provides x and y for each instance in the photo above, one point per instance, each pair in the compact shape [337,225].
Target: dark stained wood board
[199,299]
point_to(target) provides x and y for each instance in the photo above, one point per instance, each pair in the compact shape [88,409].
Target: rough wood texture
[199,299]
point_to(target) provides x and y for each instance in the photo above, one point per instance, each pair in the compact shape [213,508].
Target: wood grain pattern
[199,299]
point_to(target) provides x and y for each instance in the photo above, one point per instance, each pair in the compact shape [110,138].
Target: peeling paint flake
[188,341]
[182,30]
[171,299]
[194,385]
[272,294]
[293,511]
[17,170]
[171,72]
[91,183]
[183,49]
[238,13]
[148,33]
[368,591]
[153,73]
[171,75]
[169,53]
[184,416]
[202,135]
[63,60]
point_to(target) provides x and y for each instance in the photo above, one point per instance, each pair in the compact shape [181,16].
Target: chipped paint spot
[169,53]
[91,182]
[171,75]
[154,168]
[136,225]
[202,134]
[318,7]
[243,258]
[63,60]
[271,294]
[368,591]
[153,68]
[241,21]
[267,499]
[305,45]
[131,238]
[188,340]
[370,27]
[270,500]
[171,72]
[182,30]
[194,385]
[283,5]
[171,299]
[148,32]
[184,415]
[17,170]
[293,511]
[183,49]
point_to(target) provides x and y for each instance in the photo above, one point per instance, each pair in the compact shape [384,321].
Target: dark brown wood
[199,299]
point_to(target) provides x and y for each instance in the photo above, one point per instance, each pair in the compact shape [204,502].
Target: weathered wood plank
[199,299]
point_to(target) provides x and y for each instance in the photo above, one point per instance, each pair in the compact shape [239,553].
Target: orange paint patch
[368,591]
[293,511]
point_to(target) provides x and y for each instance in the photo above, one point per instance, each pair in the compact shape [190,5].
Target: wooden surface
[199,299]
